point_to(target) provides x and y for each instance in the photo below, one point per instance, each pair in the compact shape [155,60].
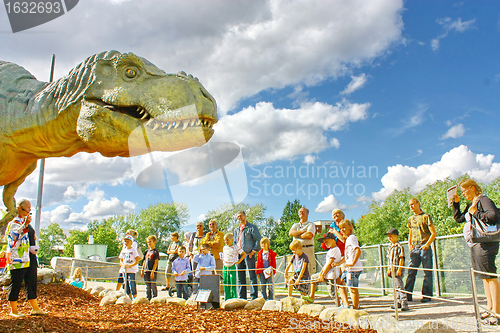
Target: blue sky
[403,93]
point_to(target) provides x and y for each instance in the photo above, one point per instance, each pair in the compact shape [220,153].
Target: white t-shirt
[334,253]
[128,256]
[230,255]
[308,227]
[351,243]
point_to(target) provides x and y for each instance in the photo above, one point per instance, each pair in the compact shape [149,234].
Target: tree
[50,237]
[75,237]
[280,238]
[225,216]
[104,233]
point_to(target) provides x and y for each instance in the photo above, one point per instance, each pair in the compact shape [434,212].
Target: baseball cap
[328,235]
[393,231]
[130,238]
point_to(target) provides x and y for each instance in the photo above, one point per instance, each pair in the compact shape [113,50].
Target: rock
[140,300]
[49,275]
[105,292]
[313,310]
[89,289]
[292,304]
[158,300]
[190,301]
[123,300]
[256,304]
[272,305]
[116,294]
[96,290]
[350,316]
[106,300]
[330,313]
[176,301]
[4,279]
[370,321]
[435,326]
[234,303]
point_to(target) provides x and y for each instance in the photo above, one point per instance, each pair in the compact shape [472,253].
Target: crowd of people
[232,255]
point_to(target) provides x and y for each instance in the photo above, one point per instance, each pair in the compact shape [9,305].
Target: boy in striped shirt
[396,257]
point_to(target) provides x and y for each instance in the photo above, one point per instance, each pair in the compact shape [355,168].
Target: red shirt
[3,262]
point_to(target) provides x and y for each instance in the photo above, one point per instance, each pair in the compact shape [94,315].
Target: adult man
[247,237]
[422,234]
[215,239]
[304,232]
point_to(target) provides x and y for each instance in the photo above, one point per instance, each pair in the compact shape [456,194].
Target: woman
[18,258]
[483,254]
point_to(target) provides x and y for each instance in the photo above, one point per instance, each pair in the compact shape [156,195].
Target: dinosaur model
[111,103]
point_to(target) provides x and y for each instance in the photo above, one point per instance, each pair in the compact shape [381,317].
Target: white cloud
[267,134]
[417,118]
[450,25]
[454,132]
[309,159]
[97,208]
[455,163]
[201,217]
[236,48]
[328,204]
[356,83]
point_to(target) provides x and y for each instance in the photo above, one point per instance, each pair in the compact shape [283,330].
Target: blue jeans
[130,286]
[151,289]
[242,278]
[417,257]
[266,284]
[351,278]
[182,289]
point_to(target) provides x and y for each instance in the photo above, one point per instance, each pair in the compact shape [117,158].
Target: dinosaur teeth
[177,123]
[141,110]
[145,115]
[150,121]
[169,126]
[192,122]
[185,124]
[198,122]
[156,126]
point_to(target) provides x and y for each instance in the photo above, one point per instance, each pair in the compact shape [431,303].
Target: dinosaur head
[131,107]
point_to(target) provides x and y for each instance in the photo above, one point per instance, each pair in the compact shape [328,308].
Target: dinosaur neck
[55,138]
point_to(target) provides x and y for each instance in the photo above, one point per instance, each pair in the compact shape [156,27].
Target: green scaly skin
[112,103]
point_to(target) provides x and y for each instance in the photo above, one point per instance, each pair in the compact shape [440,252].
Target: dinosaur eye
[130,73]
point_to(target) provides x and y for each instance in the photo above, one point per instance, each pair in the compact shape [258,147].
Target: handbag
[484,233]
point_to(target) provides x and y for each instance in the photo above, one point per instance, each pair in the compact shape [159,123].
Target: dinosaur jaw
[123,130]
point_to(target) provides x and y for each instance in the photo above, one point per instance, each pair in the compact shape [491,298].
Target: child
[205,262]
[181,267]
[266,267]
[172,255]
[301,273]
[77,279]
[331,270]
[3,262]
[149,265]
[129,260]
[135,245]
[396,256]
[353,267]
[229,256]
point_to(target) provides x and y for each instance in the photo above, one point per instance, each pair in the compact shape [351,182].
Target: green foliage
[280,240]
[160,220]
[226,219]
[104,233]
[75,237]
[50,237]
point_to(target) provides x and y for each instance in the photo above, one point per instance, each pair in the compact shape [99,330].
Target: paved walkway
[460,317]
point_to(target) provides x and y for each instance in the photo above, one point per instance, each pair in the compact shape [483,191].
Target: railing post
[437,283]
[474,299]
[381,263]
[393,276]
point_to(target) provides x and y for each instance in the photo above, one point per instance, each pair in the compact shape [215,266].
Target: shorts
[303,288]
[351,278]
[168,270]
[483,259]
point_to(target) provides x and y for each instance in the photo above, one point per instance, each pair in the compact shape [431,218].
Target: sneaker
[425,300]
[399,306]
[16,315]
[38,313]
[307,298]
[405,308]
